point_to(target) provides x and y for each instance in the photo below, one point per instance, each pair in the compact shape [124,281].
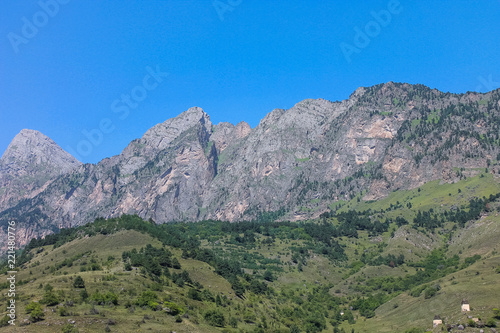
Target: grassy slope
[127,285]
[480,237]
[482,290]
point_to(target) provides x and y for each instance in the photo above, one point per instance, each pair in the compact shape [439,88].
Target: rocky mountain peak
[31,161]
[159,136]
[30,150]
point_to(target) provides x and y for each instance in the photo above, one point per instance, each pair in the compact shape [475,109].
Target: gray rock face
[296,161]
[30,161]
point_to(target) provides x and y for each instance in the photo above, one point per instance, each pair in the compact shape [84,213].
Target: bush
[49,298]
[417,291]
[68,328]
[35,311]
[155,306]
[430,292]
[173,308]
[111,298]
[63,312]
[491,323]
[145,298]
[102,299]
[215,318]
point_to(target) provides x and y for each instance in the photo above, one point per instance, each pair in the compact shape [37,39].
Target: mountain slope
[314,276]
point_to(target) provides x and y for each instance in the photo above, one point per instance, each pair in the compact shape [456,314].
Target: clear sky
[70,66]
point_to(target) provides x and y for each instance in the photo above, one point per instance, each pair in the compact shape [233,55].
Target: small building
[437,321]
[465,305]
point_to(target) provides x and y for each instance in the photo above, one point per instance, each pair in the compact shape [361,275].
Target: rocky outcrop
[296,161]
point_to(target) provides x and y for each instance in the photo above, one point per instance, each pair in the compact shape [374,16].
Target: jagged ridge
[296,161]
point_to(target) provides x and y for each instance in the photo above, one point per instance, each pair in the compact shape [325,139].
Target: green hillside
[383,266]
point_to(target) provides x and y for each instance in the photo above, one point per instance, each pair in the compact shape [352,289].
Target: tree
[268,276]
[84,295]
[79,283]
[176,264]
[238,287]
[35,311]
[194,294]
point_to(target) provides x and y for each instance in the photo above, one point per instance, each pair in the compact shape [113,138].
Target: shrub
[95,267]
[145,298]
[173,308]
[63,312]
[491,323]
[35,311]
[417,291]
[155,306]
[111,298]
[68,328]
[215,318]
[102,299]
[49,298]
[430,292]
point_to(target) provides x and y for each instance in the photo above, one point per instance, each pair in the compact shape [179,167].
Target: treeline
[430,220]
[352,221]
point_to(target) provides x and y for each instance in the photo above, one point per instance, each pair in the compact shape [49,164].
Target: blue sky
[66,70]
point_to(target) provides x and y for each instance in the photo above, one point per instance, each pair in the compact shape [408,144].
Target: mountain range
[296,164]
